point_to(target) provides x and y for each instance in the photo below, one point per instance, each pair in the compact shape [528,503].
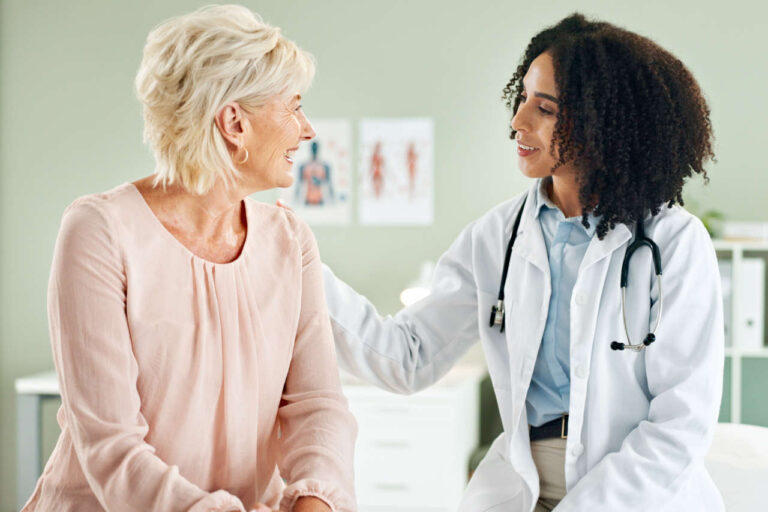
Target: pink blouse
[186,383]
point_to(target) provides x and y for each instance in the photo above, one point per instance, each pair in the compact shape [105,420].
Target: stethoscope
[497,311]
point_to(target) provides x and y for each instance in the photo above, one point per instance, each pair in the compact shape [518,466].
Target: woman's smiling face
[535,119]
[276,129]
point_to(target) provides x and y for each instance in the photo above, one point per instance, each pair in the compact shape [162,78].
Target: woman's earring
[244,159]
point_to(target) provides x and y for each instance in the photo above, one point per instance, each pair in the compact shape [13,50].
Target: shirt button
[577,450]
[581,299]
[581,371]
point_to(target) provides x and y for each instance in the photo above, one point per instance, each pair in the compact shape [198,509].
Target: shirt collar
[545,204]
[542,198]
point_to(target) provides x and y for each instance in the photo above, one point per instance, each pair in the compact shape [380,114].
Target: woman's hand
[311,504]
[303,504]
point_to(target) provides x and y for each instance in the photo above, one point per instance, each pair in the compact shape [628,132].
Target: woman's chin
[285,181]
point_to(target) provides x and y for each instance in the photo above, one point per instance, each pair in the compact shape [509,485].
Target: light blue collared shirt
[567,241]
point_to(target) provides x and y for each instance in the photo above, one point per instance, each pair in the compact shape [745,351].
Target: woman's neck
[215,214]
[563,190]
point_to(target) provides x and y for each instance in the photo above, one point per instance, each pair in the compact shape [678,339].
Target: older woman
[188,322]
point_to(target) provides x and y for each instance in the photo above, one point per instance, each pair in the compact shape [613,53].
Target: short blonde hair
[195,64]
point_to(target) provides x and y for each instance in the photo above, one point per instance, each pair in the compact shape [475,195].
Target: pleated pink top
[185,383]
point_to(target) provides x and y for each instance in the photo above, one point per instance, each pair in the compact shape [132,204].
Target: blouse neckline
[175,241]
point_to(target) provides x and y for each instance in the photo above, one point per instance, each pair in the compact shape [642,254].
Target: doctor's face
[535,118]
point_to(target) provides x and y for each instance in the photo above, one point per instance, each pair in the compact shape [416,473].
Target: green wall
[69,124]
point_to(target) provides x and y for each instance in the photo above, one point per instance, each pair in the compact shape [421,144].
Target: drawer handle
[393,444]
[393,487]
[394,410]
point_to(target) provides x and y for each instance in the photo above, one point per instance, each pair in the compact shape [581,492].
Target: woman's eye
[545,111]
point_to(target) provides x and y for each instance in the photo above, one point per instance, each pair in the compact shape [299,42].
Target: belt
[552,429]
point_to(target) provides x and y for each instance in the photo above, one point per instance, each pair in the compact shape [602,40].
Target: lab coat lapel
[527,292]
[599,249]
[530,241]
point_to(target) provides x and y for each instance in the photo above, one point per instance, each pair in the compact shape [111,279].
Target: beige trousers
[549,457]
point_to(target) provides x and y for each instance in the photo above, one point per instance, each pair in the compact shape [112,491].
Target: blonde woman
[188,323]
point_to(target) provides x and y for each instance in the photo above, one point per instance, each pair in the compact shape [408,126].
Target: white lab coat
[640,423]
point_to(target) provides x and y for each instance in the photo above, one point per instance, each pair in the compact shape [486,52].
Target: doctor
[609,125]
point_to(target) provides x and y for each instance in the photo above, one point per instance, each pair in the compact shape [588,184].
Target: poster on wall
[396,168]
[322,172]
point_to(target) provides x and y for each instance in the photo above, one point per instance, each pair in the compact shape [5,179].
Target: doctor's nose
[519,121]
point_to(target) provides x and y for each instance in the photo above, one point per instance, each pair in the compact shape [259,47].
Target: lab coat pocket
[495,486]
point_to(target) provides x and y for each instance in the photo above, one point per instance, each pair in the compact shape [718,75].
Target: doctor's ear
[231,121]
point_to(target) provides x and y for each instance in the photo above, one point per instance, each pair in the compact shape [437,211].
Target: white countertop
[46,383]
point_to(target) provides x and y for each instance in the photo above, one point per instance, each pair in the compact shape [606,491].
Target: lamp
[419,288]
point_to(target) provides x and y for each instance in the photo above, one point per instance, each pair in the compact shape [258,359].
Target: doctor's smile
[524,150]
[198,336]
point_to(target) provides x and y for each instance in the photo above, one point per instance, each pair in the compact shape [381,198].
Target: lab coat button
[577,450]
[581,371]
[581,299]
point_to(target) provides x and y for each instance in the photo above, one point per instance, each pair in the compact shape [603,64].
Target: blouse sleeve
[98,375]
[318,431]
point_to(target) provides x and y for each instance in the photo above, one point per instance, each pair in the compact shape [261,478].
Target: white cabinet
[412,452]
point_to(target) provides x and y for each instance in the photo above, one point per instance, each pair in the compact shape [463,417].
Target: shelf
[737,251]
[754,352]
[744,245]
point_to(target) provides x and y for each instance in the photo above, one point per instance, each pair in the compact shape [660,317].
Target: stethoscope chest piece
[497,315]
[640,241]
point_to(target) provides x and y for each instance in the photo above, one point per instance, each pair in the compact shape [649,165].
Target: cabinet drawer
[399,493]
[397,467]
[378,416]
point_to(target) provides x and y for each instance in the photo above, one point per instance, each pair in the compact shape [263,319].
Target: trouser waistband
[555,428]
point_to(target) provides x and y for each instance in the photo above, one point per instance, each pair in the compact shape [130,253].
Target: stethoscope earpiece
[615,345]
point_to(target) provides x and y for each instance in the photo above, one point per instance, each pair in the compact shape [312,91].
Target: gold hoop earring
[244,159]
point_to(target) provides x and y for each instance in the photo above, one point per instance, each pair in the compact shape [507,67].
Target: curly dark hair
[631,118]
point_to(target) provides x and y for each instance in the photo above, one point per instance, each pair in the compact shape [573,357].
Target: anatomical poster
[396,171]
[322,172]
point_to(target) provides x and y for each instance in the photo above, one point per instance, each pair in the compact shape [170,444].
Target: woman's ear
[230,121]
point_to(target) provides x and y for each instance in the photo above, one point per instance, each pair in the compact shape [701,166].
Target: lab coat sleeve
[685,373]
[417,346]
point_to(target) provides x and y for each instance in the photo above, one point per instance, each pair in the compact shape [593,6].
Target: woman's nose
[307,132]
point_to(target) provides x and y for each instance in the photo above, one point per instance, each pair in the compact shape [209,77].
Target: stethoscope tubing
[497,311]
[639,346]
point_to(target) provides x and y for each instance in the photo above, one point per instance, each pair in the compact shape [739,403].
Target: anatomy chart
[396,167]
[322,172]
